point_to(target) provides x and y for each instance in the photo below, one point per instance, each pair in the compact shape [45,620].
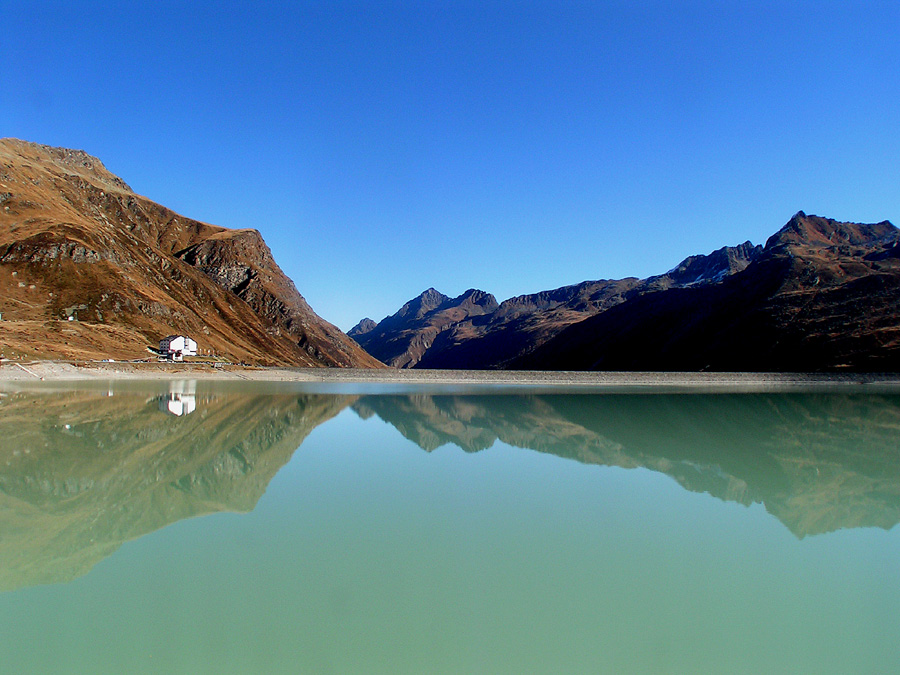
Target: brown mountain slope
[76,241]
[823,295]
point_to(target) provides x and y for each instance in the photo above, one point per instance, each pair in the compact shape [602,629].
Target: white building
[176,347]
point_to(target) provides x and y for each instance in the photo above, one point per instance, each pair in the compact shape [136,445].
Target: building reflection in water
[181,399]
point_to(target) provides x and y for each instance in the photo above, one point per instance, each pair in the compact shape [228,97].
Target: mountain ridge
[518,325]
[822,295]
[814,273]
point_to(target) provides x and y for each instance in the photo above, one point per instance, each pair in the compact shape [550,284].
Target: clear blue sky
[385,147]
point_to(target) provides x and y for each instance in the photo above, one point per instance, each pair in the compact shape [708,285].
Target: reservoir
[211,527]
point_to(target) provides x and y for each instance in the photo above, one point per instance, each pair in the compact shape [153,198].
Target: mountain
[404,338]
[822,295]
[433,331]
[76,242]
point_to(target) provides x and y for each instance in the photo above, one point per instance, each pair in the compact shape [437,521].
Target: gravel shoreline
[56,371]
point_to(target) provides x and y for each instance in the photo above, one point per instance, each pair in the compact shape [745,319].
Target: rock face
[426,334]
[821,295]
[702,269]
[75,241]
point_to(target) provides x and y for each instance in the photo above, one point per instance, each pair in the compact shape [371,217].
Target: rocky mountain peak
[366,325]
[817,232]
[404,338]
[422,304]
[715,266]
[68,160]
[475,298]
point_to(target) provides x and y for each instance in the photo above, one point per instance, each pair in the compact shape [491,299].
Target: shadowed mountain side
[76,243]
[80,475]
[818,463]
[822,295]
[473,331]
[520,324]
[402,339]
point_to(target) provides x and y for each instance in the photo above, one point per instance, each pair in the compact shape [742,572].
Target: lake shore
[57,371]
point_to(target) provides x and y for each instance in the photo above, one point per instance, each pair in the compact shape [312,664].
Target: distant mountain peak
[818,232]
[423,303]
[366,325]
[402,339]
[476,297]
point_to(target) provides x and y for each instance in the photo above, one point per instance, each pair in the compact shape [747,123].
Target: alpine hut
[176,347]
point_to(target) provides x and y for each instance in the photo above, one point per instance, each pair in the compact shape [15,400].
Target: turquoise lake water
[198,528]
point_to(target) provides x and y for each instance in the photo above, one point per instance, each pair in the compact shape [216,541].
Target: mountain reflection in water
[817,462]
[82,472]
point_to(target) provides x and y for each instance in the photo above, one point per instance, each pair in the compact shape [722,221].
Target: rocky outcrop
[706,269]
[74,234]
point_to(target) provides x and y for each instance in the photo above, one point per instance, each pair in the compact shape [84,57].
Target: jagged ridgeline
[76,241]
[820,295]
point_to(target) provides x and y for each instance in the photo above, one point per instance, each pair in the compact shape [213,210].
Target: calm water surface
[447,533]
